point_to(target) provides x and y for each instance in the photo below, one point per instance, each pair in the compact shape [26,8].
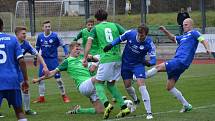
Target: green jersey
[75,69]
[104,33]
[84,34]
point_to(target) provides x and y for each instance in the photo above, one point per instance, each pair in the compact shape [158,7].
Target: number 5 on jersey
[3,56]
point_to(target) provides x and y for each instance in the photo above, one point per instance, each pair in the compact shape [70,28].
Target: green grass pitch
[197,85]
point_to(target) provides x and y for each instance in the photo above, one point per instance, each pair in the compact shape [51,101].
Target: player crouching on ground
[81,76]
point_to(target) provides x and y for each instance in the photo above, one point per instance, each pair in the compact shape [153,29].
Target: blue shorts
[138,71]
[52,63]
[13,97]
[174,69]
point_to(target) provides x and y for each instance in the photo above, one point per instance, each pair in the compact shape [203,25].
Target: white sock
[61,86]
[42,88]
[132,93]
[145,98]
[179,96]
[151,72]
[24,119]
[26,101]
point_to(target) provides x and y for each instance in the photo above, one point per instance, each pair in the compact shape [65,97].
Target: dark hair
[1,25]
[142,28]
[73,44]
[19,28]
[90,20]
[101,15]
[46,21]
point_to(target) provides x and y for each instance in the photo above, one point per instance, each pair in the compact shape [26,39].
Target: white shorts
[109,71]
[87,89]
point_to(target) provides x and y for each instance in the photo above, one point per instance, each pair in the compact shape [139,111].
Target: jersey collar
[47,35]
[139,40]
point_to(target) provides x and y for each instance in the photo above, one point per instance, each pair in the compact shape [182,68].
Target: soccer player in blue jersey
[26,47]
[187,44]
[133,61]
[10,57]
[48,42]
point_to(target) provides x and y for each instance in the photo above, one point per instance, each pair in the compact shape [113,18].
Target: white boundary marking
[138,116]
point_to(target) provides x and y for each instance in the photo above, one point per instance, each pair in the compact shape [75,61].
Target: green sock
[86,110]
[116,94]
[100,91]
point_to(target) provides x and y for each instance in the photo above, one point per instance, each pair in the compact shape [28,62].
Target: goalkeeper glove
[107,48]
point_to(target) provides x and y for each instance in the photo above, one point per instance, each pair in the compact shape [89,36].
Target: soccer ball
[130,105]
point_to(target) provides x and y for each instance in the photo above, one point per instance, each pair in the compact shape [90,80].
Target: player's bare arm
[87,49]
[23,68]
[205,44]
[167,33]
[51,74]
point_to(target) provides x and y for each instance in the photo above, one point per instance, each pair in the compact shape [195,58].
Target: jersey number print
[3,54]
[108,35]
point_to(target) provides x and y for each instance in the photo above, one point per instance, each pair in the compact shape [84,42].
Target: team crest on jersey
[23,50]
[141,47]
[41,40]
[50,41]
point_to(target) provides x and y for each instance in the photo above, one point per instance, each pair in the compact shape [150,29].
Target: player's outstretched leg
[78,110]
[175,92]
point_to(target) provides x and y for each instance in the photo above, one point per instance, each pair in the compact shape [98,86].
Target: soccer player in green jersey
[81,76]
[84,34]
[110,62]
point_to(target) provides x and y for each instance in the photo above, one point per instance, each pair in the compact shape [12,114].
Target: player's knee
[160,67]
[168,88]
[127,83]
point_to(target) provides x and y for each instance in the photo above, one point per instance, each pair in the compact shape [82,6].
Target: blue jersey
[49,45]
[10,52]
[135,51]
[187,45]
[27,48]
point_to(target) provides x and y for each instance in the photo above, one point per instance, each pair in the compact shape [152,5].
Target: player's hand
[35,81]
[146,63]
[209,52]
[25,87]
[46,71]
[162,28]
[35,61]
[107,48]
[84,62]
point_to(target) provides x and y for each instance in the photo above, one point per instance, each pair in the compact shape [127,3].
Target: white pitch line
[138,116]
